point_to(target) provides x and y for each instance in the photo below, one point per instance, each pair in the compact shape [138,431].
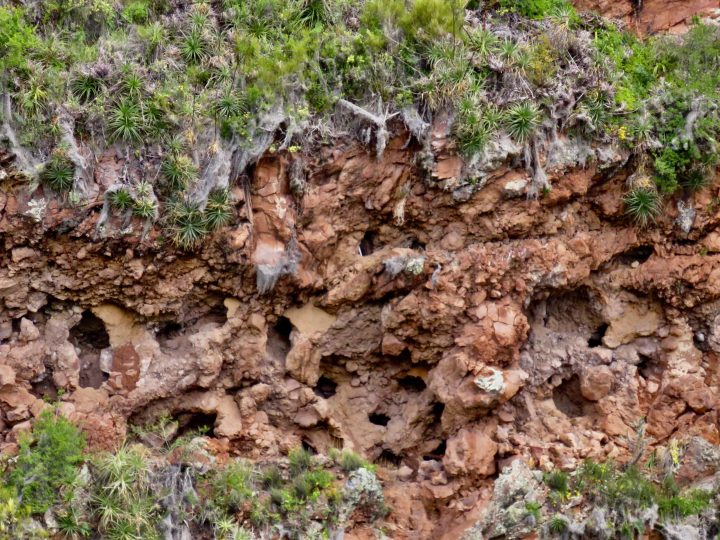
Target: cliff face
[651,16]
[441,341]
[370,303]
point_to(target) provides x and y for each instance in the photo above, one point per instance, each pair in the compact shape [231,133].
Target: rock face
[470,338]
[651,16]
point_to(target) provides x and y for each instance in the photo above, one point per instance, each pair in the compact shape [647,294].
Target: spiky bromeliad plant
[59,172]
[522,120]
[178,171]
[145,207]
[86,87]
[126,122]
[187,224]
[643,205]
[218,211]
[121,199]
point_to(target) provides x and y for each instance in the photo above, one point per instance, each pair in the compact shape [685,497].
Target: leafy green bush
[534,9]
[17,38]
[48,459]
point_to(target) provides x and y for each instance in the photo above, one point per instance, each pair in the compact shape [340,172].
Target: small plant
[218,211]
[350,461]
[557,481]
[642,204]
[188,224]
[271,478]
[557,525]
[126,122]
[522,120]
[48,459]
[59,172]
[144,207]
[193,47]
[534,509]
[231,486]
[86,87]
[178,171]
[483,43]
[120,199]
[300,461]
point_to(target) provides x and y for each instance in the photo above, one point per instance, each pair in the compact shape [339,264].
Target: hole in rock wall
[437,453]
[411,383]
[368,244]
[325,387]
[379,419]
[388,459]
[638,254]
[168,331]
[568,399]
[597,336]
[648,368]
[278,340]
[90,337]
[45,389]
[189,423]
[437,411]
[308,447]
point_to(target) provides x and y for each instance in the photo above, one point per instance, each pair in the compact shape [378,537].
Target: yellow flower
[622,133]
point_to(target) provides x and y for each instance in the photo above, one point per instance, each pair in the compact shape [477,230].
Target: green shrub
[86,87]
[124,501]
[535,9]
[231,486]
[136,12]
[17,38]
[48,459]
[350,461]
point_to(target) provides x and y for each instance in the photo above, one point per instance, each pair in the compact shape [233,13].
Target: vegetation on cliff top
[190,93]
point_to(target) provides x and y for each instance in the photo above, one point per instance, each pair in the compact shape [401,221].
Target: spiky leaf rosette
[59,172]
[218,211]
[188,224]
[522,120]
[642,204]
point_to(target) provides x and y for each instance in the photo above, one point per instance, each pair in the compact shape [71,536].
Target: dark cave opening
[595,339]
[438,453]
[368,243]
[201,423]
[379,419]
[325,387]
[568,398]
[283,327]
[388,459]
[90,337]
[308,447]
[412,383]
